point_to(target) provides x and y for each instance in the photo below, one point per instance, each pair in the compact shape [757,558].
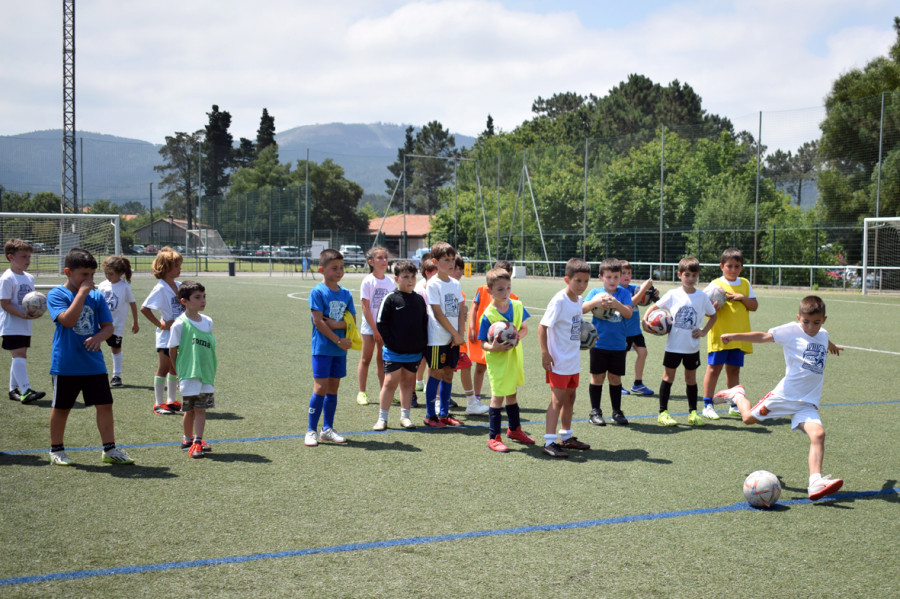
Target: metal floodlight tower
[69,175]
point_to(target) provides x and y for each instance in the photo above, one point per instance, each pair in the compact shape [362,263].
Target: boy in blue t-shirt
[83,323]
[608,353]
[328,302]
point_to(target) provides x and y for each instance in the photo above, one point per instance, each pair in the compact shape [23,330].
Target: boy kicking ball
[797,395]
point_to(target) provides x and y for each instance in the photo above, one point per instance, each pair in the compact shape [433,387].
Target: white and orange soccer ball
[658,322]
[762,489]
[34,304]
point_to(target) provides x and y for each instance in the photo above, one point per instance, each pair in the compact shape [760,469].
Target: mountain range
[121,169]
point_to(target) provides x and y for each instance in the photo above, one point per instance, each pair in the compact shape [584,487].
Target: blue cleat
[641,390]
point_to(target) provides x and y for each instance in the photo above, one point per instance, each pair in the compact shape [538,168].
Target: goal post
[881,254]
[52,235]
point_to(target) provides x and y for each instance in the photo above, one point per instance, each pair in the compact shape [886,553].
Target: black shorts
[442,356]
[12,342]
[395,366]
[164,350]
[635,341]
[114,341]
[608,360]
[94,389]
[674,360]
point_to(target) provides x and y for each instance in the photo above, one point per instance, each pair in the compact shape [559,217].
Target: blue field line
[389,431]
[364,546]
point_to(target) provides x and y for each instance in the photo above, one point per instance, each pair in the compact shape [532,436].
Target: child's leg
[615,392]
[316,402]
[816,434]
[159,381]
[117,361]
[407,389]
[690,380]
[557,399]
[18,370]
[568,410]
[379,362]
[330,405]
[710,379]
[465,377]
[431,391]
[365,358]
[495,417]
[595,390]
[639,363]
[744,407]
[58,419]
[105,423]
[478,378]
[732,375]
[187,424]
[446,375]
[420,374]
[199,423]
[665,388]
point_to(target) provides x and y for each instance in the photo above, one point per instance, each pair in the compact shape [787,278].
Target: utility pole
[69,174]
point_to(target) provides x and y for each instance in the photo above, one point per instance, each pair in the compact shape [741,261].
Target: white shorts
[771,406]
[194,387]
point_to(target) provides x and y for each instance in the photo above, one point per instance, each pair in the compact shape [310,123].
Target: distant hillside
[121,169]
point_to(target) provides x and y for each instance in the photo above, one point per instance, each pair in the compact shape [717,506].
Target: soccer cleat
[574,443]
[31,395]
[496,444]
[332,436]
[396,400]
[450,421]
[694,419]
[115,381]
[117,456]
[555,451]
[666,420]
[59,458]
[174,406]
[434,422]
[825,486]
[196,450]
[519,435]
[733,410]
[186,445]
[162,408]
[14,395]
[420,385]
[407,423]
[596,418]
[362,399]
[619,418]
[641,389]
[729,394]
[476,408]
[625,391]
[311,439]
[380,425]
[709,412]
[415,401]
[452,404]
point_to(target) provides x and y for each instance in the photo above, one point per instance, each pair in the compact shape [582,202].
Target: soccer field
[649,511]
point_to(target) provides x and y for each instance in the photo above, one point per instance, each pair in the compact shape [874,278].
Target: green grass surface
[262,492]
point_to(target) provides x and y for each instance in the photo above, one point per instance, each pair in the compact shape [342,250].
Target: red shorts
[562,381]
[464,362]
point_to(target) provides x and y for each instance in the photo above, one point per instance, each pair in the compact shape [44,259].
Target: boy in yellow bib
[505,362]
[733,317]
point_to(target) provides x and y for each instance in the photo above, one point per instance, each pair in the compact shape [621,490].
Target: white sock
[383,414]
[470,394]
[548,439]
[13,385]
[404,413]
[117,364]
[159,389]
[20,372]
[814,477]
[171,388]
[564,434]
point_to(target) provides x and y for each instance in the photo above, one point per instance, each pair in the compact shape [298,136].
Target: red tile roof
[417,225]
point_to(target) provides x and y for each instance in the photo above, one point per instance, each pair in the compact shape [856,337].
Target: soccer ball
[650,296]
[762,489]
[716,294]
[34,304]
[588,335]
[603,313]
[504,332]
[658,322]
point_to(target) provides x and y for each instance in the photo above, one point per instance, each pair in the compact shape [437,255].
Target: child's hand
[165,325]
[92,344]
[457,339]
[547,362]
[697,333]
[344,343]
[135,328]
[726,338]
[834,349]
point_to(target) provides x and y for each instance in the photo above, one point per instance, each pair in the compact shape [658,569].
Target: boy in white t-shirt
[797,395]
[559,334]
[687,305]
[15,325]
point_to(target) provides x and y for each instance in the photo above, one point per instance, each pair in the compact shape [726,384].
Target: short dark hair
[812,304]
[405,266]
[80,258]
[458,262]
[732,254]
[14,245]
[505,265]
[626,265]
[441,249]
[187,289]
[577,265]
[688,264]
[427,265]
[328,255]
[610,264]
[496,274]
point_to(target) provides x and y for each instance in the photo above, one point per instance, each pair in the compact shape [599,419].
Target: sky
[145,70]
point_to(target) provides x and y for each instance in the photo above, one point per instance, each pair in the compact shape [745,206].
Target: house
[418,227]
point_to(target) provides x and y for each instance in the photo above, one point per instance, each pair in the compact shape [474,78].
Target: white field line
[880,351]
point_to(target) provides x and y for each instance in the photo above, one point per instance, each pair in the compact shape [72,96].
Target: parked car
[137,249]
[151,249]
[417,257]
[353,255]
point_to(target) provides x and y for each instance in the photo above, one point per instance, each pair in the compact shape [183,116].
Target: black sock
[638,382]
[692,397]
[109,446]
[59,447]
[595,392]
[665,389]
[615,397]
[494,420]
[512,414]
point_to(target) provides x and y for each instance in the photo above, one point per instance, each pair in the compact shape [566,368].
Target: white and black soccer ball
[588,335]
[504,332]
[603,313]
[716,294]
[762,489]
[34,304]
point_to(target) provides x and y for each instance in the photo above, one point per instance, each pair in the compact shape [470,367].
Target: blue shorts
[329,367]
[730,357]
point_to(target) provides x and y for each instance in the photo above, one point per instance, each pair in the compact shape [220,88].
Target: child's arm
[641,291]
[160,323]
[473,326]
[754,337]
[370,318]
[135,327]
[94,342]
[8,305]
[325,327]
[546,358]
[456,338]
[173,358]
[710,321]
[463,320]
[70,317]
[749,302]
[523,330]
[834,349]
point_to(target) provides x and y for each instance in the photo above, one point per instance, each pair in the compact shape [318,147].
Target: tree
[218,152]
[489,127]
[791,170]
[179,173]
[245,153]
[263,173]
[265,135]
[103,207]
[132,207]
[396,169]
[334,198]
[431,174]
[557,105]
[43,201]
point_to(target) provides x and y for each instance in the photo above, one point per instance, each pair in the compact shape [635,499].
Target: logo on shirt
[112,300]
[85,324]
[685,318]
[336,310]
[575,333]
[814,358]
[451,305]
[177,308]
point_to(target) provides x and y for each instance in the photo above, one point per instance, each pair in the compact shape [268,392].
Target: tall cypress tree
[265,135]
[218,152]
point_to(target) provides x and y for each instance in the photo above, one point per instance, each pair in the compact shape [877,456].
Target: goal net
[207,243]
[881,255]
[53,235]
